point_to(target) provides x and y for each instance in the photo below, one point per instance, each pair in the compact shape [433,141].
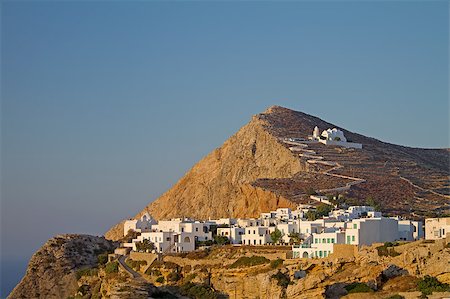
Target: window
[332,240]
[254,232]
[355,225]
[260,242]
[328,240]
[320,253]
[254,242]
[353,238]
[348,239]
[196,229]
[182,229]
[324,240]
[168,239]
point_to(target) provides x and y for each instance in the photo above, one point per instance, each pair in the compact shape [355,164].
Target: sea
[11,273]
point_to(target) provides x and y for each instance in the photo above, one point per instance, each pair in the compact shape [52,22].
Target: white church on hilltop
[333,137]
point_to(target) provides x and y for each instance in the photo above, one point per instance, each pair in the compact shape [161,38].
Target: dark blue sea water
[11,273]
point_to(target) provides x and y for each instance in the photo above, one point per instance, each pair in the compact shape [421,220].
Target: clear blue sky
[106,104]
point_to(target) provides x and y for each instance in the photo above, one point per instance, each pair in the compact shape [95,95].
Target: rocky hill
[255,171]
[51,272]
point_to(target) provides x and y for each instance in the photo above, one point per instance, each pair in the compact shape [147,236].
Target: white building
[286,229]
[248,222]
[437,228]
[355,212]
[142,224]
[361,231]
[334,137]
[257,235]
[365,231]
[166,242]
[234,234]
[319,245]
[224,221]
[200,230]
[409,230]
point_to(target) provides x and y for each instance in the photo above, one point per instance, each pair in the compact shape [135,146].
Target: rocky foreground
[51,272]
[73,266]
[264,272]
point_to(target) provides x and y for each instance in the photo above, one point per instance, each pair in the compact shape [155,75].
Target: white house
[142,224]
[319,245]
[286,229]
[437,228]
[361,231]
[365,231]
[234,234]
[248,222]
[166,242]
[257,235]
[200,230]
[409,230]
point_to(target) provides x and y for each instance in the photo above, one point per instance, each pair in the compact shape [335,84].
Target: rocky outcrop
[51,270]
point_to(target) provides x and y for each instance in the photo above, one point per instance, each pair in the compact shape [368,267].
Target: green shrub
[358,287]
[153,272]
[387,249]
[102,258]
[198,254]
[249,261]
[112,267]
[283,279]
[160,279]
[174,276]
[84,289]
[198,291]
[221,240]
[276,263]
[86,272]
[136,265]
[430,284]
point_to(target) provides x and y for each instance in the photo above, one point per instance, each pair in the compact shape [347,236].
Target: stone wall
[345,251]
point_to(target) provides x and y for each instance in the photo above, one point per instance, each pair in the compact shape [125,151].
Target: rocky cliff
[51,272]
[256,171]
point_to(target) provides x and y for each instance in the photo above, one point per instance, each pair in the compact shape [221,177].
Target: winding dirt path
[316,159]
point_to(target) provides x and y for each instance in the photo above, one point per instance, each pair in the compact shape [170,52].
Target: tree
[311,215]
[221,240]
[145,246]
[323,210]
[131,234]
[294,238]
[373,203]
[276,236]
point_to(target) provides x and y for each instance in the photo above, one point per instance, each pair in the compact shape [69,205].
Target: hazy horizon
[105,105]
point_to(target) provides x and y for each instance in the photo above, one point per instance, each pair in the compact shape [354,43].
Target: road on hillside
[128,269]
